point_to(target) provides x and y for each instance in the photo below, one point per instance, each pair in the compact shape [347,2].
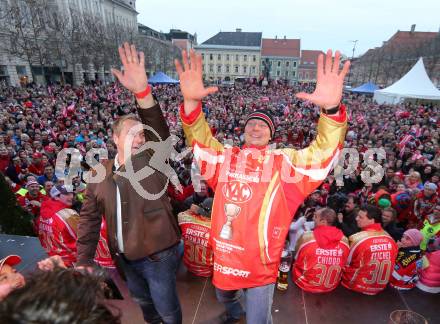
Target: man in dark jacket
[142,232]
[347,219]
[389,216]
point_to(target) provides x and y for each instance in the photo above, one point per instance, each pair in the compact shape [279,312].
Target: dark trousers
[152,284]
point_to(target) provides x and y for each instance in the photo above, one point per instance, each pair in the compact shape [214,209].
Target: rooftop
[237,38]
[281,47]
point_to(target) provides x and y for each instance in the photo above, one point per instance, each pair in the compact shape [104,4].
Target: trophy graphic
[231,212]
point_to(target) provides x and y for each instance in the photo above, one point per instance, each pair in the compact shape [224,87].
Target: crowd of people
[334,224]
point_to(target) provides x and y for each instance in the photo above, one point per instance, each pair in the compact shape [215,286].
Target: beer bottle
[283,271]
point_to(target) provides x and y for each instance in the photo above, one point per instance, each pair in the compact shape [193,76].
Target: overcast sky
[320,24]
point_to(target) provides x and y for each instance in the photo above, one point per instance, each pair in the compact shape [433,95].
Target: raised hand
[330,81]
[191,80]
[51,263]
[133,77]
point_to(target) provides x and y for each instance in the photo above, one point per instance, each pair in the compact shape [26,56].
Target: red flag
[405,140]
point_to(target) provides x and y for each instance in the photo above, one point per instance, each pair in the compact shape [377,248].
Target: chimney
[238,30]
[276,36]
[284,37]
[413,28]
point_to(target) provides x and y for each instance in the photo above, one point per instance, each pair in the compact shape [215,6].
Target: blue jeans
[258,303]
[152,284]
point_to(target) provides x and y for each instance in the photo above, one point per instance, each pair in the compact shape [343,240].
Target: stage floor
[199,305]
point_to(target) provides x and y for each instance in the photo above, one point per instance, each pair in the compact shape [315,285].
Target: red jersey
[197,256]
[37,169]
[320,257]
[180,196]
[371,260]
[4,163]
[102,255]
[408,263]
[257,191]
[57,230]
[401,201]
[423,207]
[24,201]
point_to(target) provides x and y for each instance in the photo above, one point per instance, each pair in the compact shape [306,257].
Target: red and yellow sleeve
[314,163]
[206,149]
[197,130]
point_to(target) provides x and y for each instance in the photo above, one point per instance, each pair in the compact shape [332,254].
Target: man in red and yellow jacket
[321,255]
[195,224]
[258,189]
[372,254]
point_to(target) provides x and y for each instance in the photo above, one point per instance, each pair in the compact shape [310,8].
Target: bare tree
[27,30]
[59,29]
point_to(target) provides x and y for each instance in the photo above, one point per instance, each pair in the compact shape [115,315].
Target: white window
[245,69]
[287,74]
[211,57]
[278,73]
[236,69]
[203,56]
[227,68]
[254,58]
[287,63]
[245,58]
[227,57]
[294,64]
[294,73]
[253,70]
[236,57]
[219,68]
[211,68]
[279,63]
[219,57]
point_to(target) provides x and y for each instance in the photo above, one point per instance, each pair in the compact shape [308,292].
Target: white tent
[415,84]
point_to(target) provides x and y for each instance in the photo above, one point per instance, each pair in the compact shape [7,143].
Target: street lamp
[352,56]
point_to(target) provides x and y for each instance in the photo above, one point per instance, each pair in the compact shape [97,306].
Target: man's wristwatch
[331,111]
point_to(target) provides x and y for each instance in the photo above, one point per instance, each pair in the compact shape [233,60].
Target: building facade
[159,51]
[308,65]
[231,55]
[182,39]
[16,70]
[280,58]
[386,64]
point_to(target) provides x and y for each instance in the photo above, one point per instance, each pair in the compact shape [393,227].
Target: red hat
[10,260]
[399,174]
[37,155]
[49,149]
